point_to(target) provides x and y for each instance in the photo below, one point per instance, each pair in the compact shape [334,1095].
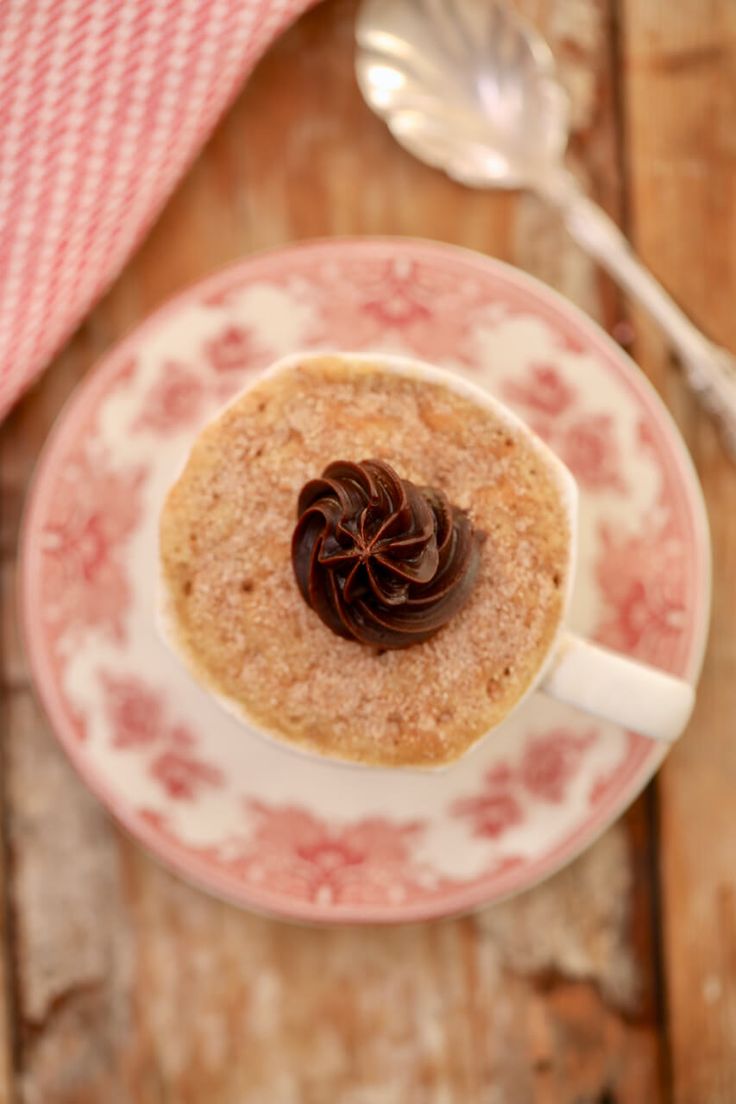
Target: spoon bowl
[463,88]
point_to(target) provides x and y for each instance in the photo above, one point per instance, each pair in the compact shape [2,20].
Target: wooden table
[613,982]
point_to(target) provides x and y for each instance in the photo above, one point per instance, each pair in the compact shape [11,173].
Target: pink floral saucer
[237,814]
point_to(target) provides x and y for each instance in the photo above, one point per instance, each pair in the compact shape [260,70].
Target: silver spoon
[468,87]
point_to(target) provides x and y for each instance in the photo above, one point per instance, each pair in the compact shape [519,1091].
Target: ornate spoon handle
[709,369]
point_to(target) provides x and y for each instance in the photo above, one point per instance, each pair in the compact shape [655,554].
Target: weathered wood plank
[73,942]
[134,987]
[436,1012]
[680,95]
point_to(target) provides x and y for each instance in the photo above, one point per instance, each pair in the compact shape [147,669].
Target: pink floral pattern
[590,450]
[547,768]
[397,301]
[496,808]
[642,580]
[234,349]
[137,720]
[550,762]
[125,373]
[135,713]
[362,864]
[585,442]
[366,860]
[85,581]
[605,785]
[118,712]
[173,402]
[543,391]
[183,776]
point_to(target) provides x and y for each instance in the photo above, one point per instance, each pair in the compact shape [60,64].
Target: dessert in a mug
[365,563]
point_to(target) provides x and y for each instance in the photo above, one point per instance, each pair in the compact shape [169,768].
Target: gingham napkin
[103,104]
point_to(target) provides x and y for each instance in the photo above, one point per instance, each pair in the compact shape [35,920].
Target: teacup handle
[618,689]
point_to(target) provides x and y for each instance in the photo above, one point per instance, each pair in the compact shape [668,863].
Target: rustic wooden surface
[613,982]
[681,96]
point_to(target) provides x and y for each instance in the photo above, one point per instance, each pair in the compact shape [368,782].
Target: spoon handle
[709,369]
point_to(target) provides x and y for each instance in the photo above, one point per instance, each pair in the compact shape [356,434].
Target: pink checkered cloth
[103,104]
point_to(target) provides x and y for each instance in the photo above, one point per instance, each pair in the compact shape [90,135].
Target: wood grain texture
[124,984]
[681,96]
[7,1001]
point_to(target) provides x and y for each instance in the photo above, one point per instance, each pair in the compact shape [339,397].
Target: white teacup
[574,670]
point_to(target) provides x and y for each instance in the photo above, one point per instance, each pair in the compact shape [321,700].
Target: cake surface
[234,607]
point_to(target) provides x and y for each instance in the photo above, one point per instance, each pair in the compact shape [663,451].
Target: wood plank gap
[617,61]
[650,797]
[661,995]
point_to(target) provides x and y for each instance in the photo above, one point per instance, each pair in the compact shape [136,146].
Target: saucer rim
[455,901]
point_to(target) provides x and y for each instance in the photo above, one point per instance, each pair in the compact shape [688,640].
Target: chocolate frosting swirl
[380,560]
